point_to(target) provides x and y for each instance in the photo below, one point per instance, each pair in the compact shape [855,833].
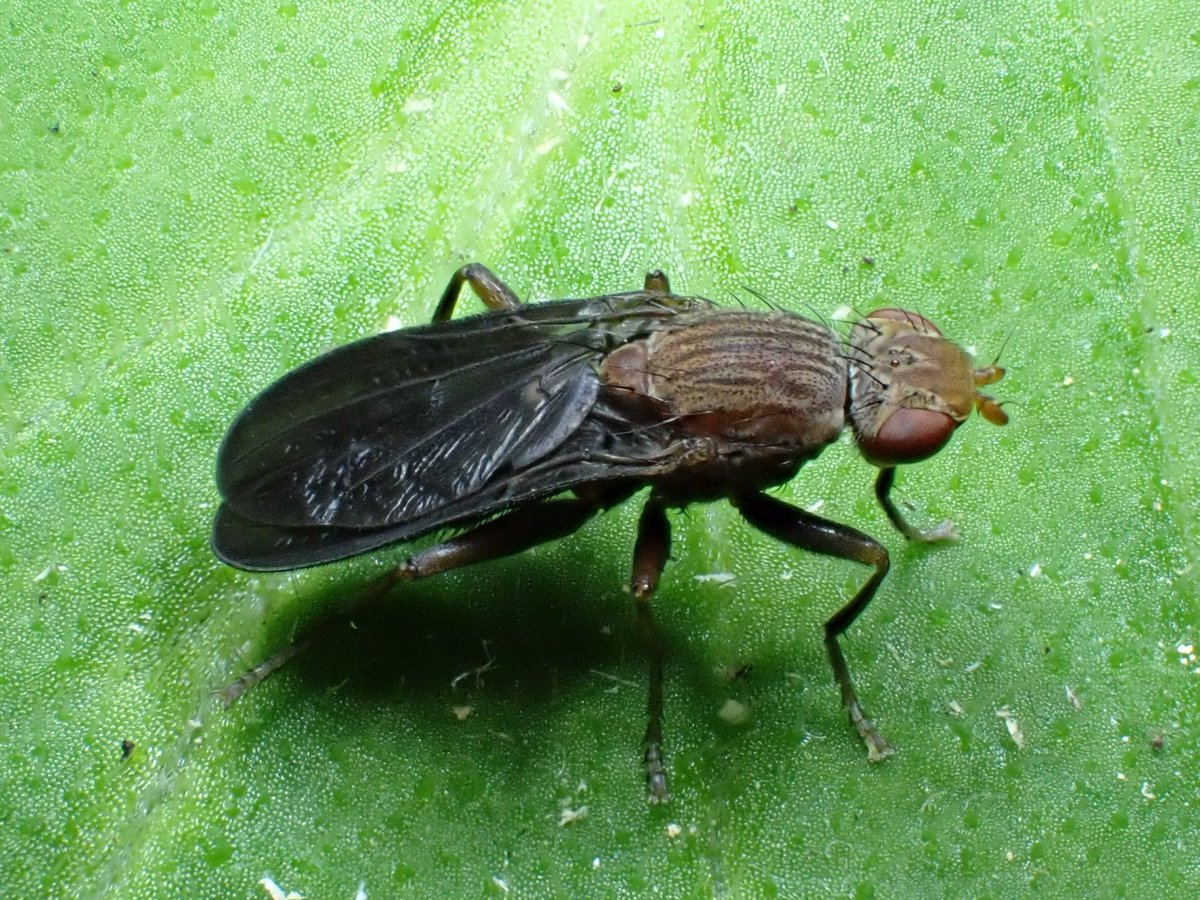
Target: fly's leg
[656,282]
[487,286]
[496,295]
[802,529]
[649,556]
[259,673]
[883,489]
[518,530]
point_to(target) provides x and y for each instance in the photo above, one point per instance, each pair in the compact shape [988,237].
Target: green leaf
[195,200]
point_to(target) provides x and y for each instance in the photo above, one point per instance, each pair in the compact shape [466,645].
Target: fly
[515,426]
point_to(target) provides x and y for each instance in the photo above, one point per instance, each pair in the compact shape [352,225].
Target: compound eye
[908,436]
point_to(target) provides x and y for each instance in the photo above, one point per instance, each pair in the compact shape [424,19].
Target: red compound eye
[908,436]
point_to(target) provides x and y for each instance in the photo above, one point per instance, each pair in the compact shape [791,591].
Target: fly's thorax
[910,388]
[766,379]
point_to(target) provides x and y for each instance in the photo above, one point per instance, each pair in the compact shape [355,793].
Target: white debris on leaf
[275,892]
[558,103]
[718,578]
[52,569]
[1014,727]
[569,815]
[733,712]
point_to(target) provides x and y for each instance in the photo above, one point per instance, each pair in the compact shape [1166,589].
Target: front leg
[883,489]
[802,529]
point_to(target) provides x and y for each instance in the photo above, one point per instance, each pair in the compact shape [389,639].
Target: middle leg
[802,529]
[649,557]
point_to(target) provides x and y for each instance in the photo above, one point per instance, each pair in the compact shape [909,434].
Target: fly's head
[910,388]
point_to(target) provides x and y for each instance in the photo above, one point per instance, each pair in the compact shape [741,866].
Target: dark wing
[409,431]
